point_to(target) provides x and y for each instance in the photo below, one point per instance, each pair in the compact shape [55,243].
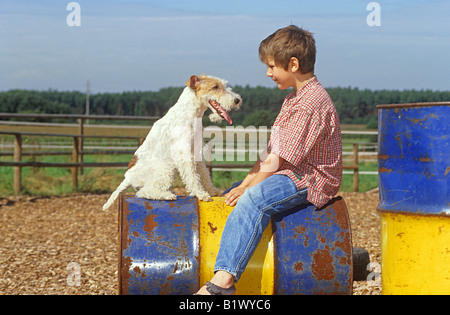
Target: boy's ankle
[223,279]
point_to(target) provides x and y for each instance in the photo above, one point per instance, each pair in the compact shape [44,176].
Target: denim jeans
[249,218]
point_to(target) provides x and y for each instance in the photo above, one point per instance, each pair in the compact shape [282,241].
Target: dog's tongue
[222,112]
[227,117]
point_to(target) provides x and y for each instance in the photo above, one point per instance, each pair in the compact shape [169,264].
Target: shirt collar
[293,97]
[312,81]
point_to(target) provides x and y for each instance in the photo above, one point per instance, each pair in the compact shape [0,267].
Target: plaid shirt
[307,135]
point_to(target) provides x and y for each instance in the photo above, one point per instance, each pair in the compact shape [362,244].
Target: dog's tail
[122,187]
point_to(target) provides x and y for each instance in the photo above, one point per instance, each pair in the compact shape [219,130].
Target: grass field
[58,181]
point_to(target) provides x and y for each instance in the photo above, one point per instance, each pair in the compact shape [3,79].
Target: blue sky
[148,45]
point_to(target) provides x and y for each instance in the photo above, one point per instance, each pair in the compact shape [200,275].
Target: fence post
[75,158]
[17,169]
[81,143]
[356,170]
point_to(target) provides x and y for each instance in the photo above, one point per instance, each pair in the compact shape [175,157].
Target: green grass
[58,181]
[366,182]
[50,181]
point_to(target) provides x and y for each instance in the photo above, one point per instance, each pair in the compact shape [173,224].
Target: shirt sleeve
[294,138]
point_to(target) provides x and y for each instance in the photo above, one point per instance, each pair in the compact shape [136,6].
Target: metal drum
[170,247]
[413,166]
[314,250]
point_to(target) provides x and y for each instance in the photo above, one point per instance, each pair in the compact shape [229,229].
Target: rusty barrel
[414,166]
[169,247]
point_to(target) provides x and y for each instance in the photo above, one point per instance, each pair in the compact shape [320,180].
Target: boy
[302,163]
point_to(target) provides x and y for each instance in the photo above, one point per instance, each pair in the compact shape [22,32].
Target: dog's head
[216,95]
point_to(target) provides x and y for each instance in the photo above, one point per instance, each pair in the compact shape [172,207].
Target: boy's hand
[270,165]
[233,196]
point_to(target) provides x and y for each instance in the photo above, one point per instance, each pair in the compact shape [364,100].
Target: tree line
[260,104]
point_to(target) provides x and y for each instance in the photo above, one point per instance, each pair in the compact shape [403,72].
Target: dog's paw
[204,197]
[142,194]
[169,196]
[215,192]
[156,196]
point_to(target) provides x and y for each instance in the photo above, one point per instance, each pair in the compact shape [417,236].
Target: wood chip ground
[43,240]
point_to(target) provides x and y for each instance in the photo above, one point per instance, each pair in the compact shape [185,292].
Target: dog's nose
[237,100]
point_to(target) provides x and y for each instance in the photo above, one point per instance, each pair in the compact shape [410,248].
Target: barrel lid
[388,106]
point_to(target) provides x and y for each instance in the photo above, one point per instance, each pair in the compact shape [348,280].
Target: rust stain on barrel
[150,224]
[322,267]
[343,222]
[417,120]
[124,262]
[298,266]
[139,272]
[384,170]
[211,226]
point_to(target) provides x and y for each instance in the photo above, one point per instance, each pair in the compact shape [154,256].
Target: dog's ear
[193,80]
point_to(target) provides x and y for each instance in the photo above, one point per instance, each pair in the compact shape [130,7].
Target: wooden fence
[78,151]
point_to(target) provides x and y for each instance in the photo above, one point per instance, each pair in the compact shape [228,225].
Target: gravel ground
[46,241]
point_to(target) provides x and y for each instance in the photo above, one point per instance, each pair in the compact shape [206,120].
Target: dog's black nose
[237,100]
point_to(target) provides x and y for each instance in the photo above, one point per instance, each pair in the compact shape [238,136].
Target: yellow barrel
[415,254]
[258,276]
[414,166]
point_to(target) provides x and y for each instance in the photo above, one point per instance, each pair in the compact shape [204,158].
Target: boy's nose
[269,72]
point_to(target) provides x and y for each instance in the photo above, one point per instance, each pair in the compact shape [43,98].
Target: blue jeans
[249,218]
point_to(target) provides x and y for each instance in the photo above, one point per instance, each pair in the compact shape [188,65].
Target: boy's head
[287,43]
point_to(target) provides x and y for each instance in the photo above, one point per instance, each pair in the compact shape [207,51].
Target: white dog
[175,142]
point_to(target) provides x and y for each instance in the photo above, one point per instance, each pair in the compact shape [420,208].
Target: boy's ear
[193,80]
[294,64]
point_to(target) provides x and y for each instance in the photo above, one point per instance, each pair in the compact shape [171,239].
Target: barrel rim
[443,214]
[423,104]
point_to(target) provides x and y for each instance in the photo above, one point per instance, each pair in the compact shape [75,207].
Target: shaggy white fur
[175,142]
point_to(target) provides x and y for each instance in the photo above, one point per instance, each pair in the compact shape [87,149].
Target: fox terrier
[175,142]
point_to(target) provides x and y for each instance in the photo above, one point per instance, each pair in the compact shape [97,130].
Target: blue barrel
[314,250]
[169,247]
[414,158]
[414,167]
[158,246]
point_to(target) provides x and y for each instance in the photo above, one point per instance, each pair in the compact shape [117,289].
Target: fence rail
[78,151]
[77,117]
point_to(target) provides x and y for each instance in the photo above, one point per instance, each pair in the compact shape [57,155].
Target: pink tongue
[227,117]
[222,111]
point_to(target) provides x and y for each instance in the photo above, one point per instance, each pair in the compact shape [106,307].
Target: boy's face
[283,78]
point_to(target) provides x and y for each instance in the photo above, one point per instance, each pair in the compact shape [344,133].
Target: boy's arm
[255,169]
[258,173]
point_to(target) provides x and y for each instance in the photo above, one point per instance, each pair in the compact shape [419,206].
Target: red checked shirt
[307,135]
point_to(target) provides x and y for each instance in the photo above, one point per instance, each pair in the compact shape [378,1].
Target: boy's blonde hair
[289,42]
